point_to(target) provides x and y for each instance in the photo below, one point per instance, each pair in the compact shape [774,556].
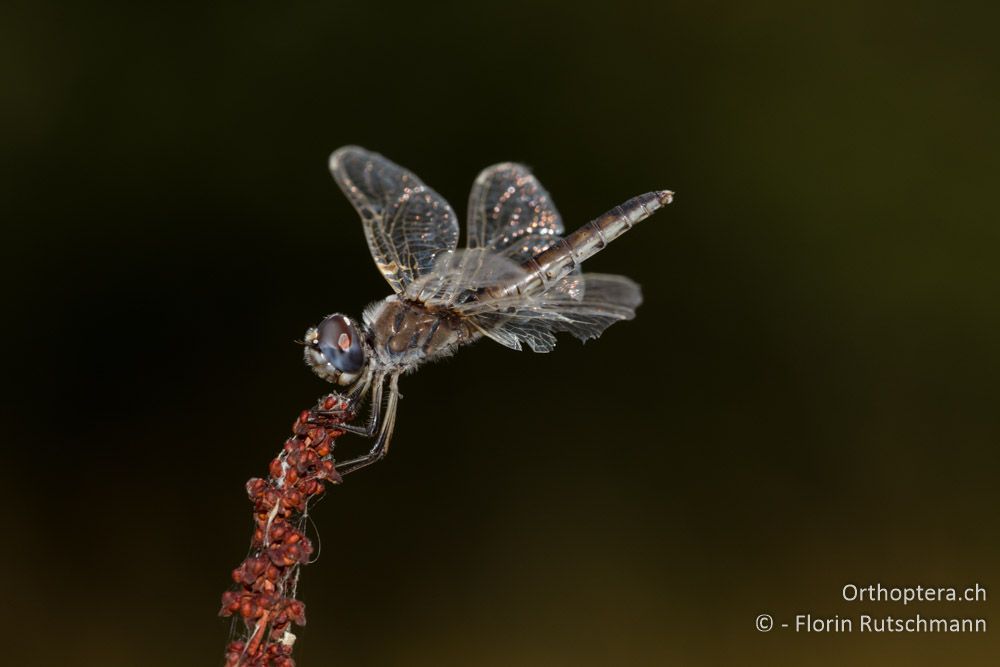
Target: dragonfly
[518,281]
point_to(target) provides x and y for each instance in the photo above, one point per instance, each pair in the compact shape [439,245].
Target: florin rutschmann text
[878,623]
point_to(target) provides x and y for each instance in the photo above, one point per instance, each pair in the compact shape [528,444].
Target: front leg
[374,418]
[381,423]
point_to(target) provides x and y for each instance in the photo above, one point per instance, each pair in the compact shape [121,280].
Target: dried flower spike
[265,582]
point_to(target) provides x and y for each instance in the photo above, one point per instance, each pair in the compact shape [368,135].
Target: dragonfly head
[336,350]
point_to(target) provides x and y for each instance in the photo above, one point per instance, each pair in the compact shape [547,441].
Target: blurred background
[808,397]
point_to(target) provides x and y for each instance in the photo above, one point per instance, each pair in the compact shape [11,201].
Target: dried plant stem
[264,595]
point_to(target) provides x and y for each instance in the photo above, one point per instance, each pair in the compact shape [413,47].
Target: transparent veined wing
[511,213]
[470,283]
[533,321]
[463,276]
[407,224]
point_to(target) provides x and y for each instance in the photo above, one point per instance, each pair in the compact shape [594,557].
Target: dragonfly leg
[381,445]
[371,428]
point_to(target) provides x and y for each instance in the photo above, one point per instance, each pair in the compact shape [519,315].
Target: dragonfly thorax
[404,334]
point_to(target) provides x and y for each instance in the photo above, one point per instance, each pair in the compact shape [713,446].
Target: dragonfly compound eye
[339,341]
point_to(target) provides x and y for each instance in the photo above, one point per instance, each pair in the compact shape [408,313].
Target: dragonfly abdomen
[558,261]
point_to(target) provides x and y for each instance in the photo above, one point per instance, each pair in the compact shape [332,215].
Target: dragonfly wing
[511,213]
[407,224]
[458,277]
[533,321]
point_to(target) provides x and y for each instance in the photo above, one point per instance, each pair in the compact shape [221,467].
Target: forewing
[407,224]
[516,321]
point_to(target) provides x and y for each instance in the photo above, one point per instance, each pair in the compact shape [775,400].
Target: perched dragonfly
[518,280]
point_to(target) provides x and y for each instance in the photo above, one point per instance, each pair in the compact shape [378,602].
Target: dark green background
[807,397]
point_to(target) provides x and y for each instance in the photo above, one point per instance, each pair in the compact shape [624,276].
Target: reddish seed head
[233,653]
[263,580]
[255,487]
[296,611]
[230,603]
[278,530]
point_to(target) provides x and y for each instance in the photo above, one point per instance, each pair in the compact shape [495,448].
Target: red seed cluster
[264,596]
